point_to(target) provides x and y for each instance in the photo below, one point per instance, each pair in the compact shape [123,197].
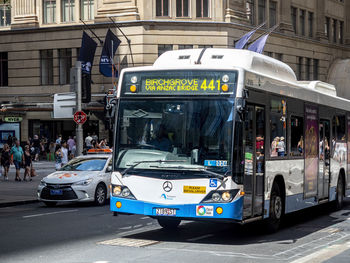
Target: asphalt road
[84,233]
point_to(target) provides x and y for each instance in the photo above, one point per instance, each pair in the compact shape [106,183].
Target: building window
[279,56]
[327,27]
[65,63]
[205,46]
[162,8]
[5,13]
[164,48]
[4,69]
[202,8]
[311,24]
[182,8]
[273,13]
[334,30]
[302,22]
[315,69]
[250,11]
[46,67]
[68,10]
[261,11]
[341,32]
[185,46]
[294,19]
[308,68]
[299,67]
[87,9]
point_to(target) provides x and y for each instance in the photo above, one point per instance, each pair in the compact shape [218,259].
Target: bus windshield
[186,134]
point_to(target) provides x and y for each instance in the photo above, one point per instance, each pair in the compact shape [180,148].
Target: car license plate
[56,192]
[165,212]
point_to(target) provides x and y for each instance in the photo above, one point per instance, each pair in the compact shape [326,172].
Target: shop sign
[13,119]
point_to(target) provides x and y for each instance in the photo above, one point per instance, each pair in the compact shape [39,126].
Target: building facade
[40,41]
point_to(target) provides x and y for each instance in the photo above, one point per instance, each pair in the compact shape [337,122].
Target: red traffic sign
[80,117]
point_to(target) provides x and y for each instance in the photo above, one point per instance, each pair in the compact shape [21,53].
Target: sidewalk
[15,193]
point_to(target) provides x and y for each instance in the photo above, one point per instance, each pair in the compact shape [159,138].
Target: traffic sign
[80,117]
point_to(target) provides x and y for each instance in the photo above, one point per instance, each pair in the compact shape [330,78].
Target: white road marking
[125,228]
[324,254]
[137,226]
[145,217]
[52,213]
[200,237]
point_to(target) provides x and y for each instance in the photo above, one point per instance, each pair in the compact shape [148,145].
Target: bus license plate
[56,192]
[165,212]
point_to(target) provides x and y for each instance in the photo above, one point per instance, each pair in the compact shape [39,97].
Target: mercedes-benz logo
[167,186]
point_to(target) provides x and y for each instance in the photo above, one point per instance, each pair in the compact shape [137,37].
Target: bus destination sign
[181,83]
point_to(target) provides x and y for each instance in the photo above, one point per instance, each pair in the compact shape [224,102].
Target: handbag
[32,172]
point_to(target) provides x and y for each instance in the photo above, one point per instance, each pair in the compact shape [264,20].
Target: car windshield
[186,134]
[80,164]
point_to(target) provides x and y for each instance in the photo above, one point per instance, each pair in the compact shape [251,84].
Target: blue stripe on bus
[233,210]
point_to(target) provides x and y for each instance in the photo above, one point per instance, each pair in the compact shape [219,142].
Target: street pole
[79,128]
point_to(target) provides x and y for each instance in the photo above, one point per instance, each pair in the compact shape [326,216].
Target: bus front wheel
[276,209]
[169,224]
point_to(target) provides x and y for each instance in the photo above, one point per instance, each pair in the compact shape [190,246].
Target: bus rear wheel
[339,198]
[276,209]
[169,224]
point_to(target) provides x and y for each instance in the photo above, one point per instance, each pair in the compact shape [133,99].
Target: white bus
[226,135]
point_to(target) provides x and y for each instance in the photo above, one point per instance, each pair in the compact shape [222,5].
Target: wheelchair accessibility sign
[213,183]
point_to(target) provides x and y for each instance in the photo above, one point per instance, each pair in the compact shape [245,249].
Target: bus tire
[339,195]
[100,194]
[50,204]
[169,224]
[276,209]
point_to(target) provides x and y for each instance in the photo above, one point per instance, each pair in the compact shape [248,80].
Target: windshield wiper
[157,161]
[217,175]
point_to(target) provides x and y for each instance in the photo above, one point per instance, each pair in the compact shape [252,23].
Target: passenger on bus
[162,141]
[300,145]
[274,146]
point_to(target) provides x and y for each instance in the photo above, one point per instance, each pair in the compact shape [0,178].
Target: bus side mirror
[241,108]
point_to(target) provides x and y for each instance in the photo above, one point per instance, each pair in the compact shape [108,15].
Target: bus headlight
[220,196]
[226,196]
[122,191]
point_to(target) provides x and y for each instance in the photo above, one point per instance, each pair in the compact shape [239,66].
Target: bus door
[254,169]
[324,160]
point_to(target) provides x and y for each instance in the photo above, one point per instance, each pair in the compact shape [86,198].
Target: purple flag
[244,40]
[259,44]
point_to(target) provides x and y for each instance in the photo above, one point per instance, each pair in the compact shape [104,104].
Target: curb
[8,204]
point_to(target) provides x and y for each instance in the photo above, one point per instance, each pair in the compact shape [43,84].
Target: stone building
[40,40]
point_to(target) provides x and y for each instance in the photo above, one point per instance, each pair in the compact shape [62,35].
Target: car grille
[67,192]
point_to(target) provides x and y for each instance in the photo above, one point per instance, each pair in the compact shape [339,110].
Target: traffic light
[85,87]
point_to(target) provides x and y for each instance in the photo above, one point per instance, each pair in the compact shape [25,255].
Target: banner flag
[87,53]
[259,44]
[240,44]
[110,46]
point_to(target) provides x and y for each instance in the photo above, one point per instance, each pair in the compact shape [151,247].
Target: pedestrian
[51,156]
[59,139]
[94,136]
[37,147]
[88,140]
[64,151]
[58,157]
[27,163]
[17,153]
[103,144]
[70,143]
[74,148]
[9,140]
[5,160]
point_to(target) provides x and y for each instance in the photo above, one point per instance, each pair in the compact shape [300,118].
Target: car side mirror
[109,169]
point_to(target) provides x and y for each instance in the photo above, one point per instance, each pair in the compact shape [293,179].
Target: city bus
[226,135]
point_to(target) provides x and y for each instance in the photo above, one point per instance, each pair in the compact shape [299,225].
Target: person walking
[27,163]
[88,140]
[17,153]
[58,157]
[71,144]
[64,151]
[5,160]
[37,147]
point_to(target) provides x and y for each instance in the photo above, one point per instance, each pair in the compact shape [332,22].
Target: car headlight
[83,182]
[42,183]
[122,191]
[220,196]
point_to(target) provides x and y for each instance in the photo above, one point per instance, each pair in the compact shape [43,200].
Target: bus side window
[339,126]
[296,134]
[278,128]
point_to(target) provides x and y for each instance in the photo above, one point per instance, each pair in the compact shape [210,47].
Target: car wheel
[100,195]
[276,209]
[50,204]
[169,224]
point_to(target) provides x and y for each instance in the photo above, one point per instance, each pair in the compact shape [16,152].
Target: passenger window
[297,136]
[278,127]
[339,124]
